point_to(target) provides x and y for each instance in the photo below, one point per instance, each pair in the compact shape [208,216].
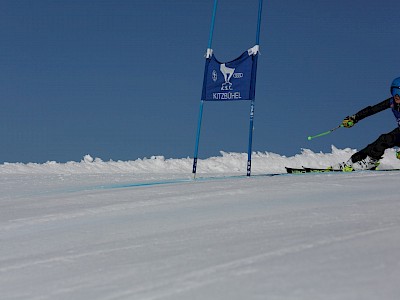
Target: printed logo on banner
[214,75]
[226,86]
[228,74]
[228,81]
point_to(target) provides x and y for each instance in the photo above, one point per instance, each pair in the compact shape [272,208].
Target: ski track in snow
[115,235]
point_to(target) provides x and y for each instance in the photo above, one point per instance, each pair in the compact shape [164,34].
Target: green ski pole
[324,133]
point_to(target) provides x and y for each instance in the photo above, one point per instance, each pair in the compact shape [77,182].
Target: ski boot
[344,166]
[368,163]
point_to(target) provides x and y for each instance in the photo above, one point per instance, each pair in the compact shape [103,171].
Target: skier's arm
[371,110]
[349,121]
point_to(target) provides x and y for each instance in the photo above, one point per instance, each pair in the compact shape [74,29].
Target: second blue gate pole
[249,150]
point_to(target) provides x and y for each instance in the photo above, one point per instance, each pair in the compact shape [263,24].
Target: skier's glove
[349,121]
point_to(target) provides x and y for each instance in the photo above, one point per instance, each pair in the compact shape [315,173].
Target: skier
[368,158]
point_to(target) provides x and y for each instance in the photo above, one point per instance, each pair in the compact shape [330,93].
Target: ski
[304,170]
[385,170]
[295,170]
[309,170]
[316,170]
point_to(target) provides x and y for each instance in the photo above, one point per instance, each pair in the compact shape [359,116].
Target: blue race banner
[230,81]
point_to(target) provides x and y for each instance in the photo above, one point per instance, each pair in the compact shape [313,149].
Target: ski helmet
[395,87]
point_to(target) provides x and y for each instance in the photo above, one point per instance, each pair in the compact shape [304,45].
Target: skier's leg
[376,149]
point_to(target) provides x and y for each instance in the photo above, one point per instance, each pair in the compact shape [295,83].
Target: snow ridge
[228,162]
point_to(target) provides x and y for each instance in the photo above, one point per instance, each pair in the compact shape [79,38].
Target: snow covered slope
[93,230]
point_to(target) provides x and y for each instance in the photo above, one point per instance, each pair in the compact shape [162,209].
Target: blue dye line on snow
[163,182]
[143,184]
[185,180]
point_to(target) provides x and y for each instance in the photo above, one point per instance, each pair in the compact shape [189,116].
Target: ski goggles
[393,88]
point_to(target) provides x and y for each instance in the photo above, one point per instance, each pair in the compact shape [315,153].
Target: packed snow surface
[145,229]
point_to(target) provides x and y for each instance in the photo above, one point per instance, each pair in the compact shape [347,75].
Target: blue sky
[122,79]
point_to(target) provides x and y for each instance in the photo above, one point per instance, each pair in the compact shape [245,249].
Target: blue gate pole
[260,3]
[249,150]
[208,55]
[196,148]
[212,24]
